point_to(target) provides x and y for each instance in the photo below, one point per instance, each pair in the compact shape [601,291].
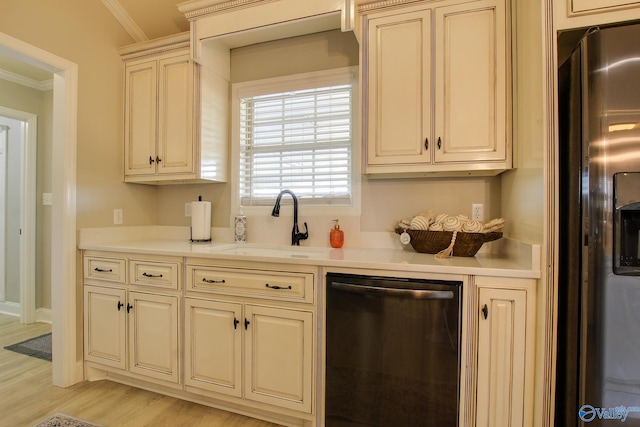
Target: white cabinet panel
[278,345]
[153,336]
[213,353]
[501,358]
[105,326]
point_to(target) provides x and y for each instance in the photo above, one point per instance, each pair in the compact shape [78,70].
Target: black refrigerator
[598,346]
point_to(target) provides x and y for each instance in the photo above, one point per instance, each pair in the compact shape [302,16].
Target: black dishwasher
[392,351]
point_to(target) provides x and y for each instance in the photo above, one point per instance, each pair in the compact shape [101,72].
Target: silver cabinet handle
[406,293]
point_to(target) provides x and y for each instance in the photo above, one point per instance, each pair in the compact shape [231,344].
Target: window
[296,134]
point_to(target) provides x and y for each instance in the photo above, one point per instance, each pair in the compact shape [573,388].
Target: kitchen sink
[250,249]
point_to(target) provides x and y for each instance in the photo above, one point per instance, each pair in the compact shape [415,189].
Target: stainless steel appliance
[598,364]
[392,351]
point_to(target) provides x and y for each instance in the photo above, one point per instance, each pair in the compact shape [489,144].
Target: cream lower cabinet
[131,324]
[249,334]
[276,345]
[505,357]
[436,87]
[150,322]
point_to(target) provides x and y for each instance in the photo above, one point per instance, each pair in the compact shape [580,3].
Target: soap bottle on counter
[336,236]
[240,227]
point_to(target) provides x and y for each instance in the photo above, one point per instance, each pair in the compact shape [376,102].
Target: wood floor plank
[27,395]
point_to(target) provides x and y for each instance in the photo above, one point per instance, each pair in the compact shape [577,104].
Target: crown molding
[123,17]
[19,79]
[198,8]
[155,46]
[384,4]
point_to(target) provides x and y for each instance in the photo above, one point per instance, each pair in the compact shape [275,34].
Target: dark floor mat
[39,347]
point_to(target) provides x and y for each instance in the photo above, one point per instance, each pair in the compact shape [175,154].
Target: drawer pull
[120,304]
[235,323]
[246,324]
[100,270]
[485,311]
[277,287]
[212,281]
[151,275]
[129,307]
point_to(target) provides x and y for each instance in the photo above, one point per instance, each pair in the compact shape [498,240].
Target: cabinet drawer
[262,284]
[158,274]
[105,269]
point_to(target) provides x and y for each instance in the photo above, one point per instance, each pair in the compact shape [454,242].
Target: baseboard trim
[43,315]
[10,308]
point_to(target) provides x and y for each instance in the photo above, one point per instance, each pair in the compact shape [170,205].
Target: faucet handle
[304,235]
[297,236]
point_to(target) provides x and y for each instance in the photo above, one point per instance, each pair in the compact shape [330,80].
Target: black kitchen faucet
[296,236]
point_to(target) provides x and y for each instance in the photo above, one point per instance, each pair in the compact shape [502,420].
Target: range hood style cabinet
[176,115]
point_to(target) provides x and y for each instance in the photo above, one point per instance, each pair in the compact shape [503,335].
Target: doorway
[67,367]
[18,143]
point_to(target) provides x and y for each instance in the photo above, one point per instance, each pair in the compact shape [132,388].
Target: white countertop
[518,260]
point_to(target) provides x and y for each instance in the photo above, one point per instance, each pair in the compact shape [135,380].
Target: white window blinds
[298,140]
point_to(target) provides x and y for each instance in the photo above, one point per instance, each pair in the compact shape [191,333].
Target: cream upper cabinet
[159,116]
[584,13]
[505,357]
[176,116]
[436,89]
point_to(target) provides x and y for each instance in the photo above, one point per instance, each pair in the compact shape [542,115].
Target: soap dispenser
[240,234]
[336,236]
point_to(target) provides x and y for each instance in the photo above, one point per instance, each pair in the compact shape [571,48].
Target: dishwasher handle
[394,292]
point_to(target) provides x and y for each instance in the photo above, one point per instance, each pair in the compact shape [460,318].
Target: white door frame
[28,156]
[67,370]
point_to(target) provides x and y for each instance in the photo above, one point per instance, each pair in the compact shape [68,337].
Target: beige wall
[84,32]
[523,199]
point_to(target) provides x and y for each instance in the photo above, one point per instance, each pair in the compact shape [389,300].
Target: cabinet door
[278,357]
[153,336]
[501,357]
[398,88]
[470,82]
[104,326]
[175,115]
[213,346]
[140,118]
[599,6]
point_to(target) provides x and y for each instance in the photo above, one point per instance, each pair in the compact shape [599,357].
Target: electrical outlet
[117,216]
[477,212]
[187,209]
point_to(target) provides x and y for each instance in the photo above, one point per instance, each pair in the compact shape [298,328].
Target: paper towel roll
[200,221]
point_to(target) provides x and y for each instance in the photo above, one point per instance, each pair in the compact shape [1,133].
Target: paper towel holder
[191,239]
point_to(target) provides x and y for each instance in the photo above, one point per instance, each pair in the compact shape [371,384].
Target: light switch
[47,199]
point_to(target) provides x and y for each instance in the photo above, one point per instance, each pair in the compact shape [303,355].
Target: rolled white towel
[428,214]
[440,218]
[420,223]
[472,227]
[452,223]
[493,225]
[404,224]
[436,226]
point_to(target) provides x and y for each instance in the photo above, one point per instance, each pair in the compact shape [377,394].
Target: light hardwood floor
[27,395]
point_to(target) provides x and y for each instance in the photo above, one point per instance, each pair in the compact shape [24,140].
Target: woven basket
[432,242]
